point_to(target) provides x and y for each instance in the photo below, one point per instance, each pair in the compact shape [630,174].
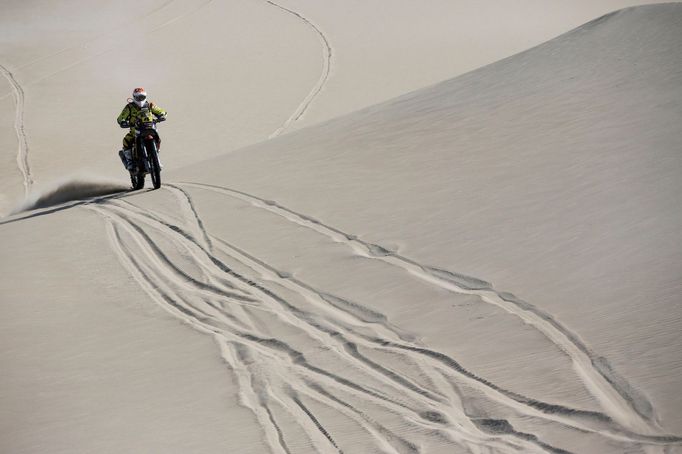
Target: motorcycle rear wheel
[137,180]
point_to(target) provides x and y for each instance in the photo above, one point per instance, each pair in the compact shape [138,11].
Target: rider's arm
[158,112]
[124,117]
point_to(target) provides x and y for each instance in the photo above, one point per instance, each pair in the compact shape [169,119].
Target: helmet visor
[140,96]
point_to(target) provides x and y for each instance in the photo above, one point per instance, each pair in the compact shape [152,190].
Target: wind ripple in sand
[68,189]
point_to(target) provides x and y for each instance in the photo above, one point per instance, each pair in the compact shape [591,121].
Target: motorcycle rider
[138,108]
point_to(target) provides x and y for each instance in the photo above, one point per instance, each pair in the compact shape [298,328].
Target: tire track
[273,344]
[317,423]
[206,322]
[196,317]
[394,443]
[191,214]
[235,356]
[352,309]
[398,345]
[617,398]
[250,396]
[326,70]
[340,318]
[274,365]
[301,319]
[207,289]
[19,129]
[570,417]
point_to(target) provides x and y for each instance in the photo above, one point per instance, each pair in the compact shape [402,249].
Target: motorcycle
[146,153]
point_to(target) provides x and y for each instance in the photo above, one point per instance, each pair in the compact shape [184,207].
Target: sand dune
[231,73]
[543,174]
[489,264]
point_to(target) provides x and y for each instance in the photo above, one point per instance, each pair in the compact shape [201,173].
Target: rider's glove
[124,124]
[160,119]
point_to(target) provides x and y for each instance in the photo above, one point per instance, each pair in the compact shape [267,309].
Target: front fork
[140,156]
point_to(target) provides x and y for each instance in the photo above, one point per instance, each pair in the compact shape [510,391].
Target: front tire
[154,167]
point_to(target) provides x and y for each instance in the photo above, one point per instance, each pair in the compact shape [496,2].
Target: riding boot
[127,159]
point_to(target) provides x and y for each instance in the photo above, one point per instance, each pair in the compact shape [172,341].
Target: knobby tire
[154,167]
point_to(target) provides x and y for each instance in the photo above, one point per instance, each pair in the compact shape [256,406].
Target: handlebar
[126,124]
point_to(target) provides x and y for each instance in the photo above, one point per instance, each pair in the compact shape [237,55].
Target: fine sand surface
[231,73]
[488,264]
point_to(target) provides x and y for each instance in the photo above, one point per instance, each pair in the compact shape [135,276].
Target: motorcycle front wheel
[154,167]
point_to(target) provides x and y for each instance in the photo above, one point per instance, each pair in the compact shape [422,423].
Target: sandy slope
[329,270]
[232,73]
[553,174]
[386,48]
[89,365]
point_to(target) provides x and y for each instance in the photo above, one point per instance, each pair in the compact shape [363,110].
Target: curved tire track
[630,410]
[326,70]
[570,417]
[274,365]
[144,265]
[22,139]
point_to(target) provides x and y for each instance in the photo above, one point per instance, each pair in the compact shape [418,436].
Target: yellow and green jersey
[132,113]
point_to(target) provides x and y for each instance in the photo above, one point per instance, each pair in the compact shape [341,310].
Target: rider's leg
[126,158]
[126,153]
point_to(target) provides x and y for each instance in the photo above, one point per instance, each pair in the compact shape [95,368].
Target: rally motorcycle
[146,153]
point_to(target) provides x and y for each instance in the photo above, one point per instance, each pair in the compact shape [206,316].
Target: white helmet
[139,96]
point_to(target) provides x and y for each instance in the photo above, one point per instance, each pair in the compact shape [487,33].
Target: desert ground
[383,227]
